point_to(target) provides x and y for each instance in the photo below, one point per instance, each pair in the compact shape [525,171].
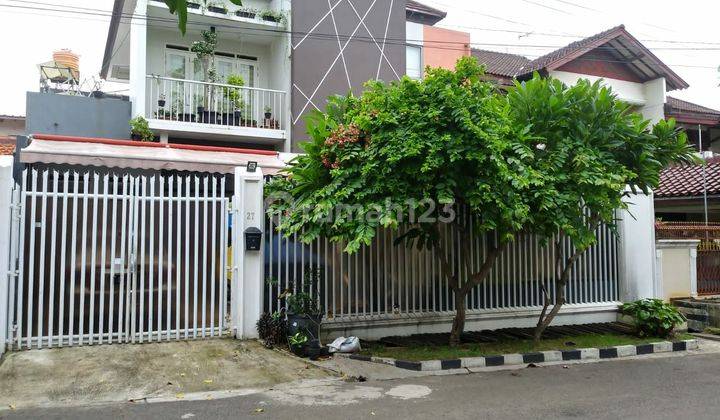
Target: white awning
[125,154]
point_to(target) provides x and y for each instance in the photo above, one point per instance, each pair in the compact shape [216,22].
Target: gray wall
[316,65]
[50,113]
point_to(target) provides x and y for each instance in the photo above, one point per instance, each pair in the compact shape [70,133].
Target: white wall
[676,268]
[636,227]
[631,92]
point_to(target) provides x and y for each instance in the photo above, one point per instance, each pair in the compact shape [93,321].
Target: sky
[684,35]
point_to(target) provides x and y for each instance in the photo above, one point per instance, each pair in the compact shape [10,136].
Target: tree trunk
[459,321]
[562,272]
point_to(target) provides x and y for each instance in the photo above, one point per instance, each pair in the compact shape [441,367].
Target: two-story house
[274,61]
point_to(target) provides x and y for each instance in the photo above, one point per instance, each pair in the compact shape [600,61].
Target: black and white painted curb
[538,357]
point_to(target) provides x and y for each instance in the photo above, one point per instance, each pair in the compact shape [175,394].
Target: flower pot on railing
[209,117]
[161,103]
[200,109]
[217,9]
[245,14]
[186,117]
[238,116]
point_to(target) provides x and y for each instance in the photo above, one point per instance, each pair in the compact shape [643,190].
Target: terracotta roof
[420,13]
[500,64]
[623,45]
[7,145]
[570,49]
[680,106]
[687,180]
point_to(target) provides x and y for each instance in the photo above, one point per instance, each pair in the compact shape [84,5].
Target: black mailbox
[253,238]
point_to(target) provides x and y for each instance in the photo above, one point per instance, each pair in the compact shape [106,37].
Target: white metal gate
[117,257]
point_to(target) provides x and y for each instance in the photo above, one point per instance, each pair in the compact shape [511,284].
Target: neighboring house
[289,67]
[701,124]
[681,196]
[636,75]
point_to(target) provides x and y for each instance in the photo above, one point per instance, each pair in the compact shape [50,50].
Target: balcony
[189,109]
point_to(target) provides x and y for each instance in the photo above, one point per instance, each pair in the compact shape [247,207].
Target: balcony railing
[214,103]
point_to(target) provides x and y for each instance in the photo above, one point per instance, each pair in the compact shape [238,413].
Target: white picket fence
[385,281]
[117,257]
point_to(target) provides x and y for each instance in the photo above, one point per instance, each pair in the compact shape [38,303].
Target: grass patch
[445,352]
[712,330]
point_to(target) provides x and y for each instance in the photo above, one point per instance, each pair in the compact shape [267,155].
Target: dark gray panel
[318,69]
[49,113]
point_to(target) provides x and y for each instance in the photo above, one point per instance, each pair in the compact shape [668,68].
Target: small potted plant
[298,343]
[246,12]
[272,16]
[161,100]
[140,130]
[268,113]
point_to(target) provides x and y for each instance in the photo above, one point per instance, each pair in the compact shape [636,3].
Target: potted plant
[140,130]
[234,96]
[246,12]
[298,343]
[272,16]
[161,100]
[204,50]
[268,112]
[303,311]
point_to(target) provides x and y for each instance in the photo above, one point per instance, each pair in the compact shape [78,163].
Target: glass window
[413,59]
[175,65]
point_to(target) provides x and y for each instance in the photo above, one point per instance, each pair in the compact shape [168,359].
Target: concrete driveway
[131,372]
[652,388]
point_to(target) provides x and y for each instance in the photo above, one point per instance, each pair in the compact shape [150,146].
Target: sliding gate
[117,257]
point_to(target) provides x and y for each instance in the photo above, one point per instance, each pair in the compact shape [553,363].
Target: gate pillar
[6,188]
[247,263]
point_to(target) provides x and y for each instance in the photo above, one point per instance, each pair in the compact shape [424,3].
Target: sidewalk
[130,372]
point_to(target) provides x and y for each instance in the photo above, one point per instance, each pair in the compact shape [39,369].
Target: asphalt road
[673,387]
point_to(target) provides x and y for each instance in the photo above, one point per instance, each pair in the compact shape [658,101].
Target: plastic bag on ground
[345,345]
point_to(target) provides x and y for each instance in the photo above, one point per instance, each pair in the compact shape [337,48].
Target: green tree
[592,151]
[427,147]
[179,7]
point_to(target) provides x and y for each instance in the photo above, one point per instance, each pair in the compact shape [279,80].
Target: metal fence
[117,257]
[383,280]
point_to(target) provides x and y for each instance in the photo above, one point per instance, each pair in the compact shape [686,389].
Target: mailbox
[253,238]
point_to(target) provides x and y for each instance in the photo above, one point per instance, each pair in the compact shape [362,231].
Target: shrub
[139,127]
[272,328]
[653,317]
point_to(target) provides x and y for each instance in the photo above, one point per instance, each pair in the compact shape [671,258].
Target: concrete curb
[538,357]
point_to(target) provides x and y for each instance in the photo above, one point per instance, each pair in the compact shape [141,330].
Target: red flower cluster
[344,135]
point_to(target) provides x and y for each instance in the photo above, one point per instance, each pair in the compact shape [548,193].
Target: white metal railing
[387,281]
[118,257]
[214,103]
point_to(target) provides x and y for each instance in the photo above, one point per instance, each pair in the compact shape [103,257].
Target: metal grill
[117,257]
[387,281]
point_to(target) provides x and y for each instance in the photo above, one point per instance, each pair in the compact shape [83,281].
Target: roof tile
[687,180]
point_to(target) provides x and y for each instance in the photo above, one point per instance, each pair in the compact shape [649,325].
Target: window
[413,60]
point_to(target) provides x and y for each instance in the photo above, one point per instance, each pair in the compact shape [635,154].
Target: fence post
[248,266]
[6,187]
[637,256]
